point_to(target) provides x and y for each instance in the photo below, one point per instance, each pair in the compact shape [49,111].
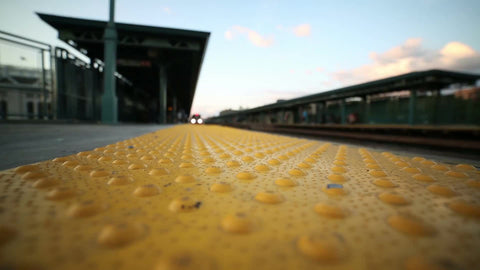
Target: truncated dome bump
[213,197]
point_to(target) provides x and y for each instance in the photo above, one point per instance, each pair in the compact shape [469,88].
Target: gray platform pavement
[22,144]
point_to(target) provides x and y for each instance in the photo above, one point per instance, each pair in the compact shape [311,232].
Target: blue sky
[261,51]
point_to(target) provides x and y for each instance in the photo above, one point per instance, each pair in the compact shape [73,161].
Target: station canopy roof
[140,51]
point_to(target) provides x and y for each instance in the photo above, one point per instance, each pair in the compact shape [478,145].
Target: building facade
[24,93]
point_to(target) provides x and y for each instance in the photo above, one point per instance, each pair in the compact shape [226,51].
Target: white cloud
[229,35]
[254,37]
[302,30]
[454,52]
[412,56]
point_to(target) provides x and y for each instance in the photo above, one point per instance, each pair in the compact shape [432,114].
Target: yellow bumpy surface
[209,197]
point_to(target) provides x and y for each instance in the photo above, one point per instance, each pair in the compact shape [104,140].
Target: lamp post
[109,98]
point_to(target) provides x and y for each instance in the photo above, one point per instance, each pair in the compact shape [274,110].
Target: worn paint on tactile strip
[208,197]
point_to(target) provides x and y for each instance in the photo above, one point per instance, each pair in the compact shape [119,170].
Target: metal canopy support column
[343,112]
[319,110]
[60,73]
[174,110]
[297,115]
[261,118]
[281,119]
[324,112]
[53,90]
[44,85]
[109,98]
[470,110]
[412,106]
[163,95]
[366,110]
[436,101]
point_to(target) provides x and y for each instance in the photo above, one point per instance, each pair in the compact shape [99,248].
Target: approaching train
[196,119]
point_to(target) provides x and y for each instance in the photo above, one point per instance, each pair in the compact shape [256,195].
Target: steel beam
[20,87]
[109,98]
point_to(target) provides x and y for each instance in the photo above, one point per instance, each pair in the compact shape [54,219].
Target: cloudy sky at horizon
[261,51]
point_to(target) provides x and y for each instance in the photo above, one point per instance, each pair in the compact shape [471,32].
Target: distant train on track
[196,119]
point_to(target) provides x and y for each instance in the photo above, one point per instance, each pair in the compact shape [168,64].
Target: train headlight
[193,121]
[200,121]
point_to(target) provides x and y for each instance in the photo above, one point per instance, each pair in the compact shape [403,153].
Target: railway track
[443,137]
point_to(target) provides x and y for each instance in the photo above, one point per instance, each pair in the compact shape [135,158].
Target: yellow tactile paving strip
[208,197]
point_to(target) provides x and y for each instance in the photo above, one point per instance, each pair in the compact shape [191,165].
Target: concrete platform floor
[28,143]
[210,197]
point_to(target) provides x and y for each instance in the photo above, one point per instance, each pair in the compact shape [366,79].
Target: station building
[21,93]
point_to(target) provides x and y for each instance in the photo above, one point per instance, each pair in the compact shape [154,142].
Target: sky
[265,50]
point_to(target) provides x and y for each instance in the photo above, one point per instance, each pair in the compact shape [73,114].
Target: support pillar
[53,93]
[60,111]
[262,118]
[109,98]
[324,113]
[343,112]
[174,110]
[297,115]
[436,101]
[412,105]
[163,95]
[470,111]
[44,84]
[319,110]
[366,110]
[174,105]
